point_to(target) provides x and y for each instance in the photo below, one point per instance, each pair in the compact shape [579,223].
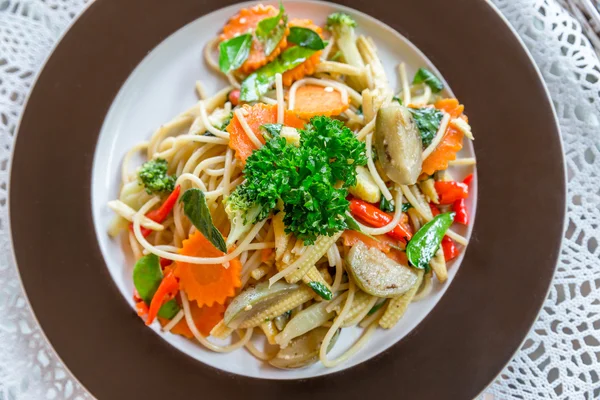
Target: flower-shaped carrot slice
[206,283]
[314,100]
[205,319]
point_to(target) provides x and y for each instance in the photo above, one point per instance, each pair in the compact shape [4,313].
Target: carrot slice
[451,142]
[352,237]
[247,20]
[205,318]
[314,100]
[257,115]
[308,66]
[398,256]
[206,283]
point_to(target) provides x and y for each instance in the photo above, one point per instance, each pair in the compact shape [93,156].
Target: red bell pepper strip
[161,213]
[167,289]
[434,210]
[450,191]
[165,262]
[450,249]
[468,179]
[373,216]
[460,208]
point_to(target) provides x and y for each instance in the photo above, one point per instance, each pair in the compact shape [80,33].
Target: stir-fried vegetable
[342,27]
[366,188]
[153,175]
[428,121]
[426,242]
[398,144]
[270,31]
[233,52]
[449,247]
[313,100]
[196,209]
[306,320]
[373,216]
[423,75]
[259,82]
[147,278]
[377,274]
[165,292]
[451,191]
[161,213]
[304,350]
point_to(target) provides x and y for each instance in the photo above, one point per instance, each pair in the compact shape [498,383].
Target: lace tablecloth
[559,359]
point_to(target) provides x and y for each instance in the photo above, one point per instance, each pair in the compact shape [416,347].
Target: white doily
[560,357]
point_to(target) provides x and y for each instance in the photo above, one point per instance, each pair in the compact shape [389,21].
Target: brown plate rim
[472,332]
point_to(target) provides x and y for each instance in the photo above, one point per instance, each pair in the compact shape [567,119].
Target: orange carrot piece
[398,256]
[352,237]
[206,283]
[451,142]
[314,100]
[266,254]
[258,114]
[205,318]
[247,20]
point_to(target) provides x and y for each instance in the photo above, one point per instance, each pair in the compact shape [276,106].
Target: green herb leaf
[321,290]
[233,52]
[153,175]
[425,76]
[271,131]
[147,276]
[376,307]
[270,31]
[398,99]
[406,207]
[352,224]
[259,82]
[426,242]
[387,206]
[196,209]
[428,121]
[305,37]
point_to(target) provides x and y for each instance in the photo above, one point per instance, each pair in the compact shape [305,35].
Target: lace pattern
[559,359]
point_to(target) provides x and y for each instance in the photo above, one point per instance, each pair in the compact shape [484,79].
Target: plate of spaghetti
[282,191]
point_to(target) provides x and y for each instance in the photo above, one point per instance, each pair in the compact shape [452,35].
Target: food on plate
[306,197]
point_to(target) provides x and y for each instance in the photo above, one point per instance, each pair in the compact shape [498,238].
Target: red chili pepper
[372,215]
[450,191]
[161,213]
[234,97]
[460,208]
[167,289]
[434,210]
[449,247]
[165,262]
[468,179]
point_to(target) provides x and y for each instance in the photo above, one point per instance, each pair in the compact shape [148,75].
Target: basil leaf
[305,37]
[147,276]
[428,121]
[398,99]
[270,31]
[233,52]
[351,223]
[425,76]
[406,207]
[259,82]
[387,206]
[321,290]
[426,242]
[271,131]
[195,208]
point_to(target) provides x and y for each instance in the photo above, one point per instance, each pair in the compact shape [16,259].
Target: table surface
[558,360]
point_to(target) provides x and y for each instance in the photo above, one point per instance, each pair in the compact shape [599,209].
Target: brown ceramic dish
[453,353]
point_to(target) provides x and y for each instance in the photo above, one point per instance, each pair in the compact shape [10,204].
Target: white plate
[161,87]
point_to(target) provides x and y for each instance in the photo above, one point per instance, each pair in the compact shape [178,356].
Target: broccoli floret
[340,18]
[342,27]
[153,175]
[242,213]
